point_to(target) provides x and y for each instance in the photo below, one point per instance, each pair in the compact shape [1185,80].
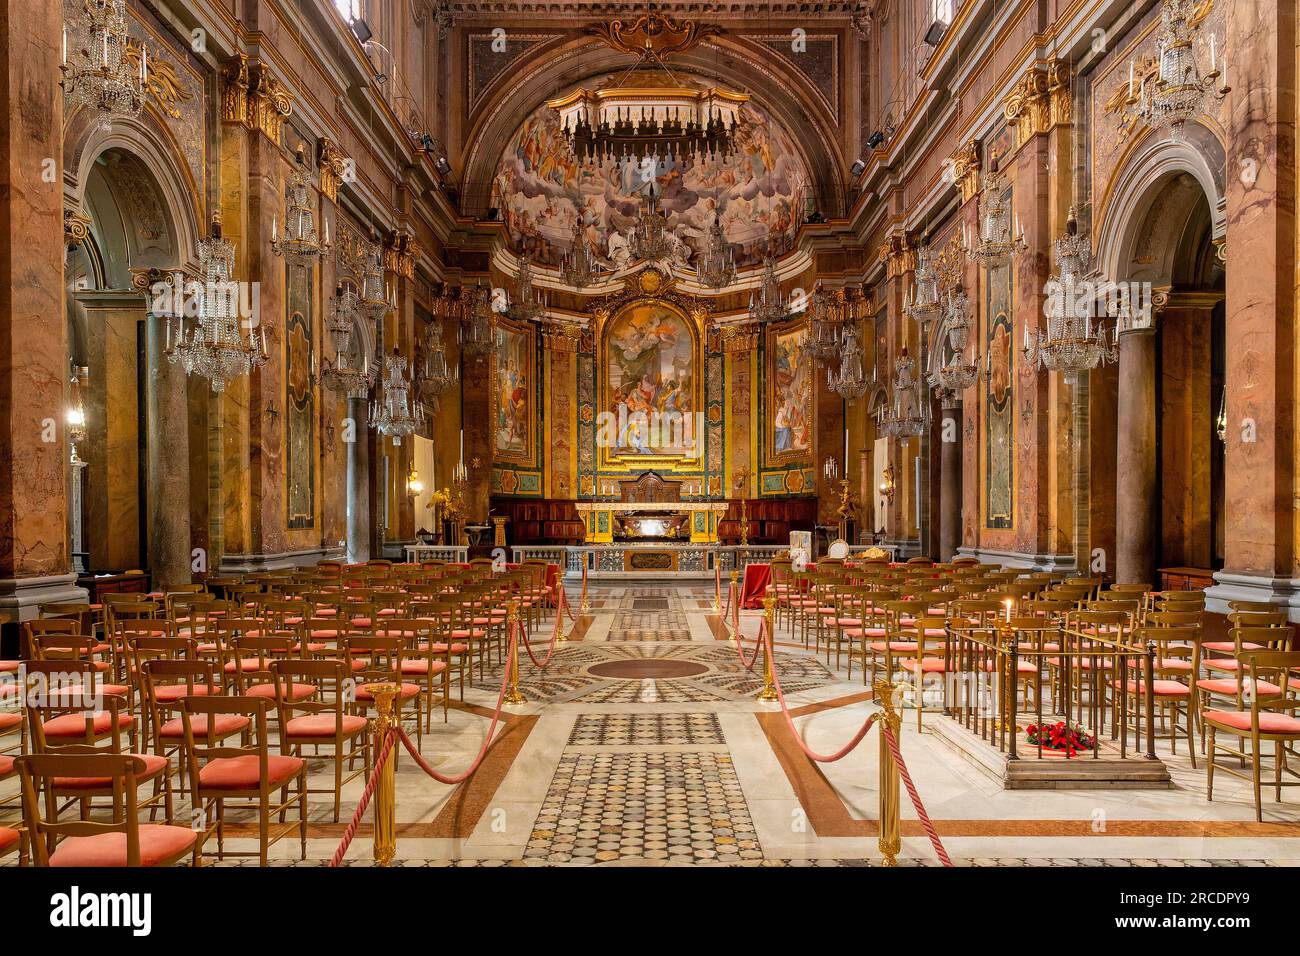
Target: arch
[1160,182]
[555,68]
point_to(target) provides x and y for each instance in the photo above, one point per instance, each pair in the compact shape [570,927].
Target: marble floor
[642,744]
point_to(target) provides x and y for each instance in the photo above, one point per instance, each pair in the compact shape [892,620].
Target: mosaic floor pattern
[645,730]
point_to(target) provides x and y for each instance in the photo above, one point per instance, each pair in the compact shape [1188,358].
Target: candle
[105,49]
[1007,604]
[65,44]
[1212,58]
[1130,79]
[144,63]
[275,231]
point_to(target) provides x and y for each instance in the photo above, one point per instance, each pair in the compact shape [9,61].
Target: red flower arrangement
[1063,736]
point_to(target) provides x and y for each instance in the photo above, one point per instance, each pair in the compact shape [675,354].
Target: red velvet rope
[529,647]
[364,802]
[735,636]
[911,792]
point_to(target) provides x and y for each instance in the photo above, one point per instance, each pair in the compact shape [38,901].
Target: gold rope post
[385,797]
[584,605]
[717,585]
[890,841]
[560,603]
[513,696]
[768,693]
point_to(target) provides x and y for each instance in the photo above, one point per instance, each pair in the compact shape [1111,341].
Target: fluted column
[358,516]
[1135,471]
[950,479]
[168,446]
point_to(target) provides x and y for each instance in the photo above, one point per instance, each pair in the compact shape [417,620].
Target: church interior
[521,433]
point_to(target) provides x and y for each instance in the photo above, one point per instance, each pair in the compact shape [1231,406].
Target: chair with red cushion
[374,661]
[120,841]
[1172,694]
[1221,664]
[248,666]
[166,682]
[1264,713]
[244,777]
[930,638]
[425,659]
[322,721]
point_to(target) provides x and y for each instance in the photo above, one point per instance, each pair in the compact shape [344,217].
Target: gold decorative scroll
[164,83]
[76,229]
[738,337]
[400,255]
[254,98]
[897,254]
[561,336]
[653,36]
[966,169]
[1039,100]
[1145,70]
[333,164]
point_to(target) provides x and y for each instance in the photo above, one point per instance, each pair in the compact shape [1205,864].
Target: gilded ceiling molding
[76,229]
[1039,100]
[898,255]
[333,164]
[653,36]
[966,164]
[253,98]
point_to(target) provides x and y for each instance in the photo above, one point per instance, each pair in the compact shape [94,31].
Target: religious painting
[1000,429]
[757,192]
[300,418]
[513,393]
[789,395]
[651,384]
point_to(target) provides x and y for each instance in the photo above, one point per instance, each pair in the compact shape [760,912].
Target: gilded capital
[253,98]
[1039,100]
[333,165]
[966,169]
[898,255]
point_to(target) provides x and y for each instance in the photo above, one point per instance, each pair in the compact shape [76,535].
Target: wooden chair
[120,841]
[223,776]
[374,661]
[168,681]
[930,656]
[1262,714]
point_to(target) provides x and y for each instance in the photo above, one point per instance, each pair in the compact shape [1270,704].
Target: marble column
[358,515]
[35,560]
[168,444]
[949,480]
[1135,473]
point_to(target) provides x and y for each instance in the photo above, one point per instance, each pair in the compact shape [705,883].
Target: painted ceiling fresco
[541,190]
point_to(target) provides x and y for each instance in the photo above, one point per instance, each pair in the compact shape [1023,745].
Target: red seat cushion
[296,691]
[158,842]
[9,720]
[223,724]
[323,725]
[929,665]
[1270,722]
[74,725]
[407,691]
[6,766]
[462,634]
[423,667]
[440,648]
[1228,686]
[1161,688]
[898,646]
[170,693]
[8,838]
[247,664]
[242,773]
[8,667]
[1022,667]
[153,765]
[1230,646]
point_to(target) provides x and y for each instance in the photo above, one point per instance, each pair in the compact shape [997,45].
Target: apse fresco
[513,393]
[789,396]
[542,191]
[650,359]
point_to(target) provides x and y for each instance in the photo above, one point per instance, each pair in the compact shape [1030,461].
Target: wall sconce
[887,487]
[414,486]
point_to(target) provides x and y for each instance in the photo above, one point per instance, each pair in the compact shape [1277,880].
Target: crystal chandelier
[650,237]
[103,74]
[376,300]
[767,305]
[636,123]
[957,375]
[300,245]
[716,266]
[209,343]
[907,415]
[851,381]
[922,302]
[1178,92]
[995,242]
[1073,342]
[528,303]
[340,322]
[578,268]
[476,326]
[436,373]
[822,343]
[394,414]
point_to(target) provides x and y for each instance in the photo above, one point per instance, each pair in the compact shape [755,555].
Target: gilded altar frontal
[853,434]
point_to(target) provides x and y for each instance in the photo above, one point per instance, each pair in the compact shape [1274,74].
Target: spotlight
[361,30]
[492,214]
[935,33]
[875,139]
[442,166]
[858,169]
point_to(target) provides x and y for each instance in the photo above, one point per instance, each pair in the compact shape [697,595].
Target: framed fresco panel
[514,393]
[789,426]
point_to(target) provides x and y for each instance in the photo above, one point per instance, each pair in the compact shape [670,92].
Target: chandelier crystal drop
[995,242]
[300,244]
[210,342]
[716,266]
[528,303]
[1073,341]
[394,414]
[822,342]
[103,72]
[579,266]
[376,300]
[1177,93]
[922,302]
[437,375]
[476,327]
[767,305]
[341,316]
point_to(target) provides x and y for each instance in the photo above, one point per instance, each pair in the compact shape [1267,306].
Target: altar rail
[454,554]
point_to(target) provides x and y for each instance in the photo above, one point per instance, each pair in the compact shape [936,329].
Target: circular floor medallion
[642,668]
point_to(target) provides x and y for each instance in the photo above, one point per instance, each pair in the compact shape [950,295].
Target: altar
[666,521]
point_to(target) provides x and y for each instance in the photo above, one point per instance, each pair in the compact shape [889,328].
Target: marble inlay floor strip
[642,730]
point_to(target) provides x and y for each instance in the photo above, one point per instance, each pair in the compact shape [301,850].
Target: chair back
[37,773]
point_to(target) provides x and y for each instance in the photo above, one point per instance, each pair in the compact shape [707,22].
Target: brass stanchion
[559,615]
[585,606]
[385,796]
[513,696]
[890,841]
[768,693]
[717,585]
